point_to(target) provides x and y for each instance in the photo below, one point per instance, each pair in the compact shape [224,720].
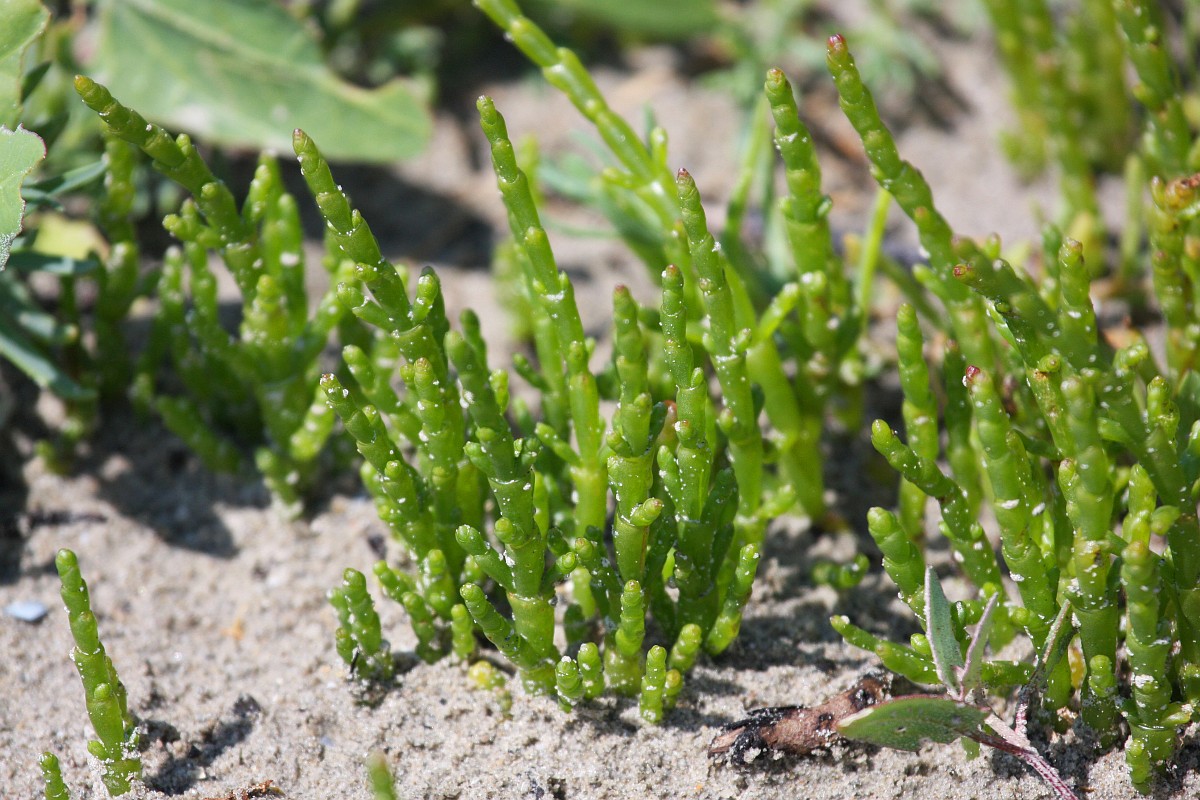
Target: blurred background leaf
[21,322]
[20,152]
[245,73]
[21,23]
[669,19]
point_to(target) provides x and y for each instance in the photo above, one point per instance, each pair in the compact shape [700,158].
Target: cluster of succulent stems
[1082,450]
[600,525]
[258,386]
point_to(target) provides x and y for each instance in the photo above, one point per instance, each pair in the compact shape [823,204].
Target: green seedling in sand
[116,743]
[908,721]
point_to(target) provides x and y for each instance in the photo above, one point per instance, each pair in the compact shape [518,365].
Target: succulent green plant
[255,387]
[359,638]
[806,312]
[550,480]
[1086,455]
[116,743]
[502,500]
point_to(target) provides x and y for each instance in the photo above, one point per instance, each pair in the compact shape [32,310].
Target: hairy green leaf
[906,722]
[247,74]
[21,23]
[940,628]
[973,668]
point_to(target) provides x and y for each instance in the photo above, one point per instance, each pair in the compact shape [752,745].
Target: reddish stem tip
[972,373]
[837,42]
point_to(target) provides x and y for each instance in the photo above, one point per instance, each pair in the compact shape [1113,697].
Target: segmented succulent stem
[104,694]
[359,638]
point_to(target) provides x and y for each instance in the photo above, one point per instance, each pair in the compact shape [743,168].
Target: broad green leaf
[246,73]
[906,722]
[21,23]
[20,152]
[939,627]
[671,19]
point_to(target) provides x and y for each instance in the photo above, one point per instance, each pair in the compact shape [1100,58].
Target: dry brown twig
[258,790]
[796,729]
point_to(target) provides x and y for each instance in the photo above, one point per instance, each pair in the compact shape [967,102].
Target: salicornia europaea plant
[549,479]
[806,312]
[255,387]
[116,743]
[1087,449]
[691,492]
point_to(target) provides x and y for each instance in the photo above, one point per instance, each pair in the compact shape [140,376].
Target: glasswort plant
[116,743]
[258,384]
[1087,451]
[549,480]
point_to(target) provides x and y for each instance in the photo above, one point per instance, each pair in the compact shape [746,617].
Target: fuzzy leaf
[247,74]
[939,627]
[973,668]
[21,23]
[20,152]
[906,722]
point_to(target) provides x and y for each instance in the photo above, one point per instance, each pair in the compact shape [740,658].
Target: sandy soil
[213,608]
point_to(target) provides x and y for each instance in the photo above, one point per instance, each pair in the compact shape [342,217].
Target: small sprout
[116,745]
[379,775]
[486,676]
[358,638]
[52,775]
[906,722]
[654,684]
[841,576]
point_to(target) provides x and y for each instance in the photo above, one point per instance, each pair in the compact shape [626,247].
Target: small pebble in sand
[30,611]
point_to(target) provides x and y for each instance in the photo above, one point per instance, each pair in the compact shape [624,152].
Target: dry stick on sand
[796,729]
